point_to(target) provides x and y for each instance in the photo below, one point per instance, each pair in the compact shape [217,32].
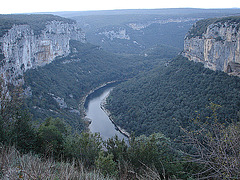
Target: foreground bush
[216,147]
[14,165]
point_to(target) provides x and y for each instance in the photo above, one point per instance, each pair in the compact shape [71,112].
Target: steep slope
[171,96]
[215,43]
[29,41]
[50,54]
[134,31]
[58,88]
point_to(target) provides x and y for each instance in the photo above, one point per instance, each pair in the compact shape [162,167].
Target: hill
[136,30]
[58,88]
[173,95]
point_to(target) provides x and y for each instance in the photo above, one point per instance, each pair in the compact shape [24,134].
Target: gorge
[24,47]
[175,93]
[164,96]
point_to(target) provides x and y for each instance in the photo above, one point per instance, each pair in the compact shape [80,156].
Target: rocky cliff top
[215,43]
[200,27]
[37,22]
[29,41]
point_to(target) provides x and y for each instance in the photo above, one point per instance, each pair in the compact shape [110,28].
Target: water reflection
[100,121]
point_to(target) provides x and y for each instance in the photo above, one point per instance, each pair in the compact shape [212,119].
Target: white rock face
[217,49]
[116,34]
[23,50]
[139,26]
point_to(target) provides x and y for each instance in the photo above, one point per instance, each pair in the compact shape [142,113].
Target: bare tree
[217,148]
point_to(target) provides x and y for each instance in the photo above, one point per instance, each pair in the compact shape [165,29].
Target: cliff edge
[33,41]
[215,43]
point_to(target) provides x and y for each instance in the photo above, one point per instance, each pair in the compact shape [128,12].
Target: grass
[14,165]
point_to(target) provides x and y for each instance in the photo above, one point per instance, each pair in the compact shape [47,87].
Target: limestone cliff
[21,48]
[215,43]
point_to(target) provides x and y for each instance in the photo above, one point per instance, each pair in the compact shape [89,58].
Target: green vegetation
[169,34]
[201,26]
[15,165]
[107,165]
[72,77]
[230,19]
[161,51]
[176,98]
[177,86]
[14,122]
[156,27]
[146,157]
[36,21]
[217,147]
[170,96]
[153,33]
[54,139]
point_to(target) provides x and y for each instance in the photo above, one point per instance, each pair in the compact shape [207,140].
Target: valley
[176,91]
[72,81]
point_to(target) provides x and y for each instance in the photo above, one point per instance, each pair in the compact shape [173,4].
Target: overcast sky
[28,6]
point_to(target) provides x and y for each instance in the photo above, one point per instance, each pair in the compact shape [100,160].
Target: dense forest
[70,78]
[173,95]
[141,29]
[183,118]
[55,139]
[154,30]
[51,150]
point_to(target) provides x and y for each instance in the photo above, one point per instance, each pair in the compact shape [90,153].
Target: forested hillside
[155,156]
[57,89]
[173,95]
[183,118]
[136,30]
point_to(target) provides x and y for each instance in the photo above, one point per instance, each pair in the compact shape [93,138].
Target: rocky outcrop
[143,25]
[217,47]
[119,33]
[21,49]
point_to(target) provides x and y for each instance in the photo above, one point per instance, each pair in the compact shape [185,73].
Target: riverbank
[83,101]
[88,121]
[108,113]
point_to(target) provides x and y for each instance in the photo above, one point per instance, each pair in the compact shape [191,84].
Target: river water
[100,121]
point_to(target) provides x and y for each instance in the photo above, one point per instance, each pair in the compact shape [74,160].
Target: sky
[29,6]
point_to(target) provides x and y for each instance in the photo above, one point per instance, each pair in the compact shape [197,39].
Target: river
[100,121]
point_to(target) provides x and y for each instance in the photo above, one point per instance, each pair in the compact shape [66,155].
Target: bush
[217,147]
[106,164]
[84,147]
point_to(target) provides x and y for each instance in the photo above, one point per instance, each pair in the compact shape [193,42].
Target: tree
[153,152]
[15,122]
[117,147]
[23,135]
[84,147]
[106,164]
[216,147]
[52,135]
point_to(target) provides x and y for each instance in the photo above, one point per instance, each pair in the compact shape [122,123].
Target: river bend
[100,121]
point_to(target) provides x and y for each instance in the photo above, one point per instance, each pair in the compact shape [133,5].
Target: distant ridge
[147,11]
